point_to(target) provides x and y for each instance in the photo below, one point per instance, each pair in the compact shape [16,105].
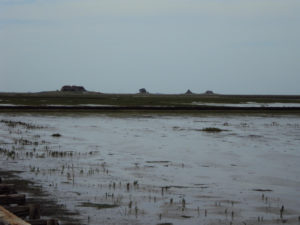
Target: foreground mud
[149,169]
[37,195]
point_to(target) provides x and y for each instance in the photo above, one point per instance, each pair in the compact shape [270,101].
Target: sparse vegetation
[13,124]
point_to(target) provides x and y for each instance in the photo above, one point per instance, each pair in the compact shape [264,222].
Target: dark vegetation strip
[98,206]
[11,123]
[149,108]
[63,98]
[262,190]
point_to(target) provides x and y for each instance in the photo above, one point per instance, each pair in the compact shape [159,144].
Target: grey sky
[169,46]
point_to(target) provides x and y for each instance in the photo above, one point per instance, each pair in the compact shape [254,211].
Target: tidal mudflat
[150,169]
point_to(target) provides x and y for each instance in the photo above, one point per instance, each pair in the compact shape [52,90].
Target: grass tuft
[212,129]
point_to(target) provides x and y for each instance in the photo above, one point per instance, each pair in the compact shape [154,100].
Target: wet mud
[100,169]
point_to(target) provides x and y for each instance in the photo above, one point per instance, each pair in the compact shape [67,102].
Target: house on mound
[73,88]
[208,92]
[143,91]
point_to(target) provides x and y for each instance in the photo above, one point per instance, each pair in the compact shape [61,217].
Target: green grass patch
[212,129]
[63,98]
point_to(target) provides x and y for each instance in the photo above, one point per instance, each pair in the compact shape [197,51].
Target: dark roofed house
[73,88]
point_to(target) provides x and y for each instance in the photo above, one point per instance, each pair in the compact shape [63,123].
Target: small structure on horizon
[208,92]
[189,92]
[143,91]
[73,88]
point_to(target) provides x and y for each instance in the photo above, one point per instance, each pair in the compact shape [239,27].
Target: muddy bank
[151,169]
[36,195]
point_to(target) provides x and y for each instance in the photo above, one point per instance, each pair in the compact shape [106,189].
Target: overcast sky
[168,46]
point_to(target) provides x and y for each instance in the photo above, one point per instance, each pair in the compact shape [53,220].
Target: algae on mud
[212,129]
[98,205]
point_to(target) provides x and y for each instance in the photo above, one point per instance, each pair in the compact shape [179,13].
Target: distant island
[76,97]
[75,88]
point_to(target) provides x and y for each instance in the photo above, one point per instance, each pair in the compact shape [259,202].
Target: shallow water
[158,169]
